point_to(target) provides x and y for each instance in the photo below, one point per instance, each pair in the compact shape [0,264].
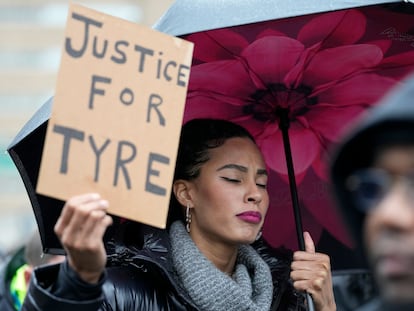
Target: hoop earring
[188,218]
[259,235]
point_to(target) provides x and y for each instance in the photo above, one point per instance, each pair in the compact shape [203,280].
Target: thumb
[309,245]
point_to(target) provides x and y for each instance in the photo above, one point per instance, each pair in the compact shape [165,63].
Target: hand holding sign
[116,115]
[80,229]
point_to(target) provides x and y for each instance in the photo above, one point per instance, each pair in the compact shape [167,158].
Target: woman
[203,261]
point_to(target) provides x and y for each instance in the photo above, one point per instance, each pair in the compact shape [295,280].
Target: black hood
[390,120]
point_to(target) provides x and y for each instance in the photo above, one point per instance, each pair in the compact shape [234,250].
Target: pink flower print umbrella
[296,83]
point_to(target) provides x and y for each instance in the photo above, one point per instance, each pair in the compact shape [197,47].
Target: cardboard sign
[117,115]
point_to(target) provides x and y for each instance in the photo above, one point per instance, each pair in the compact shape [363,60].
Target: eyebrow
[241,169]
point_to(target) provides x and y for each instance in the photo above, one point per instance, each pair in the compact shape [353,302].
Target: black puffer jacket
[140,278]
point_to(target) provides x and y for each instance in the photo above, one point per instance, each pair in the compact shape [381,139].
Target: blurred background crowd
[31,33]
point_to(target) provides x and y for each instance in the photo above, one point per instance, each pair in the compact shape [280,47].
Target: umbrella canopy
[187,16]
[26,153]
[295,74]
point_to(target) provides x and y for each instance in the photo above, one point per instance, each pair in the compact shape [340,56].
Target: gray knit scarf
[250,287]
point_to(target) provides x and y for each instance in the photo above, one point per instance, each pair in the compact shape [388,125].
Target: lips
[394,265]
[250,217]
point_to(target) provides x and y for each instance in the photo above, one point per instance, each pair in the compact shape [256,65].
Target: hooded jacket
[140,276]
[391,120]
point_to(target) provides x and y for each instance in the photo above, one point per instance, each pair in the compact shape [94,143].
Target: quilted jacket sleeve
[129,287]
[57,288]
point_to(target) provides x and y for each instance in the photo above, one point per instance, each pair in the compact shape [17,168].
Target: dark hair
[198,136]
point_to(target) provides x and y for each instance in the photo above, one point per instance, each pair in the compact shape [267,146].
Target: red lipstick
[250,217]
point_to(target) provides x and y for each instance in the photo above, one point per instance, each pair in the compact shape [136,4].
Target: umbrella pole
[284,127]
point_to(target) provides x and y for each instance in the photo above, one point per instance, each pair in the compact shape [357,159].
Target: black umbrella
[26,153]
[25,149]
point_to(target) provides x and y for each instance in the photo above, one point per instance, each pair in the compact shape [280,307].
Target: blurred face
[389,227]
[229,197]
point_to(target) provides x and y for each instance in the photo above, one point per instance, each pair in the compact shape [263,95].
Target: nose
[395,212]
[254,193]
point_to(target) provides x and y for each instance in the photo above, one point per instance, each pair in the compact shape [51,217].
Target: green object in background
[18,287]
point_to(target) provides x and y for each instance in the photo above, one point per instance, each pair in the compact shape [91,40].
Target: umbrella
[295,74]
[26,153]
[229,79]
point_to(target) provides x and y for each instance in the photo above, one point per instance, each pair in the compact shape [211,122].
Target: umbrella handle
[309,301]
[284,126]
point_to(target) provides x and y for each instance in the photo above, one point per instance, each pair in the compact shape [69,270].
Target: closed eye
[262,186]
[231,179]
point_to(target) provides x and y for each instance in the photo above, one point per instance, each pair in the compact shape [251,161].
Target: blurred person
[373,181]
[210,257]
[16,271]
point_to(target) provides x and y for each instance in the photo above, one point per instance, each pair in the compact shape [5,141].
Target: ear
[182,191]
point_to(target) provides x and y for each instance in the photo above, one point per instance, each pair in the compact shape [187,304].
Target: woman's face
[229,197]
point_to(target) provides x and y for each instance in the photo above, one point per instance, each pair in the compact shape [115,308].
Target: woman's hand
[311,272]
[80,228]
